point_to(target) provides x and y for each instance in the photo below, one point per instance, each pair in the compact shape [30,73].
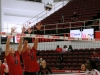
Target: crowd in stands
[65,49]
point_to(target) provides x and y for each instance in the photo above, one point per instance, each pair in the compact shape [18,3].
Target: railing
[69,25]
[35,19]
[45,13]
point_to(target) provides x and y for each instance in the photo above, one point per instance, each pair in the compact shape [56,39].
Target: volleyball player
[44,69]
[91,68]
[29,56]
[13,58]
[83,67]
[6,69]
[2,68]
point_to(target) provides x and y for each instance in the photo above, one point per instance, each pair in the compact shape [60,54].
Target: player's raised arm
[8,41]
[21,40]
[25,46]
[23,29]
[35,43]
[7,46]
[29,30]
[20,45]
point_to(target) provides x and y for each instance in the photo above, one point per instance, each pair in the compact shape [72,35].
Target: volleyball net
[50,42]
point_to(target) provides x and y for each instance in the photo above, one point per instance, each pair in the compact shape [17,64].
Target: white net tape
[47,36]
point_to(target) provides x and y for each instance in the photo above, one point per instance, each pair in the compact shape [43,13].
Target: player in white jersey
[91,68]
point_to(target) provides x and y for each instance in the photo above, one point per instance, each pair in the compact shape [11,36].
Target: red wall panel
[97,34]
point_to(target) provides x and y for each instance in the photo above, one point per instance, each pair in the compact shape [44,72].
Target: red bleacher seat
[80,60]
[75,53]
[70,56]
[65,57]
[71,68]
[92,49]
[97,49]
[66,68]
[74,60]
[68,64]
[77,68]
[52,64]
[75,56]
[53,68]
[74,64]
[80,56]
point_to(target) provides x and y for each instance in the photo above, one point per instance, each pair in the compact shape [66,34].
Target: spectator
[6,69]
[83,67]
[2,68]
[62,19]
[60,59]
[58,66]
[44,69]
[70,48]
[40,61]
[95,56]
[74,17]
[39,27]
[58,49]
[65,48]
[91,68]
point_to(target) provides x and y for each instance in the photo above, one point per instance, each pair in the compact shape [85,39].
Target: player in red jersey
[29,56]
[2,68]
[13,58]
